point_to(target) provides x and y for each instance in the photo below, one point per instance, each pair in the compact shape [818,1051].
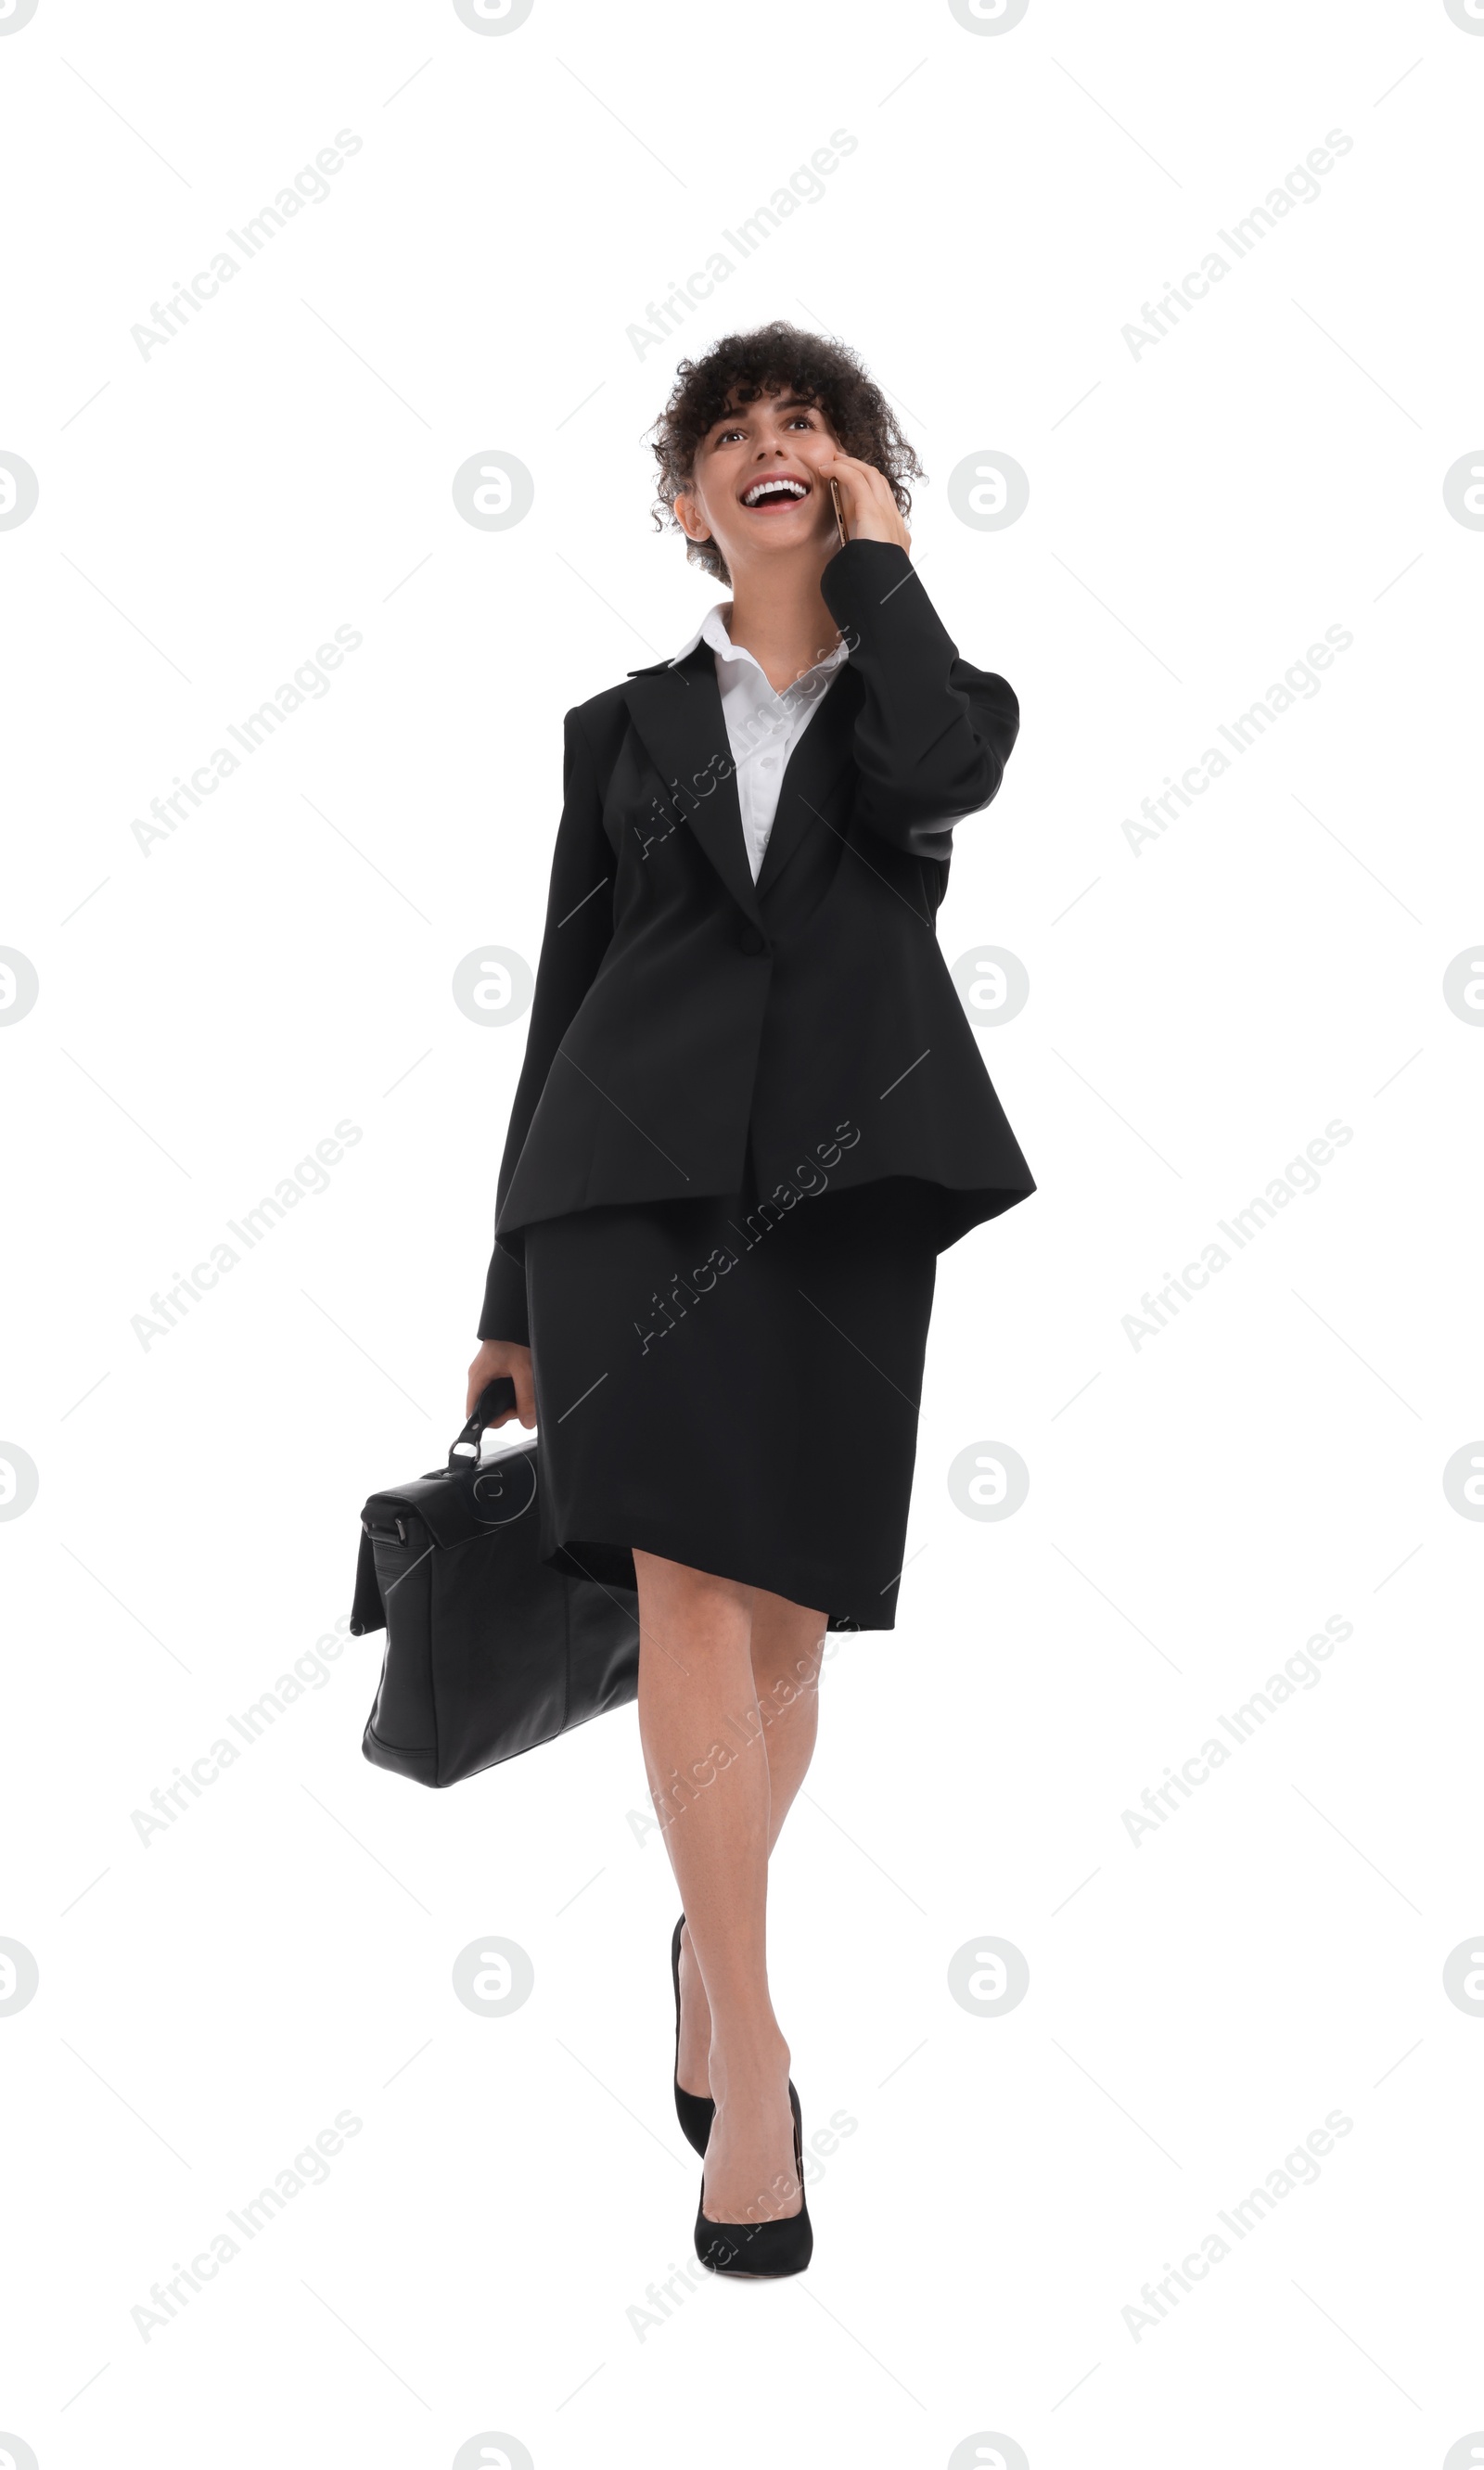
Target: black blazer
[678,1006]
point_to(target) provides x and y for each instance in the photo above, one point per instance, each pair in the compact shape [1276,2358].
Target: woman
[751,1113]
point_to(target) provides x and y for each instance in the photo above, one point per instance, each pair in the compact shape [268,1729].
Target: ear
[692,521]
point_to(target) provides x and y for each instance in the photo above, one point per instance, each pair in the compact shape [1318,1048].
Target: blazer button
[749,939]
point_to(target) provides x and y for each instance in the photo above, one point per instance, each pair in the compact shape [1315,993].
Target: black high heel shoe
[764,2249]
[695,2111]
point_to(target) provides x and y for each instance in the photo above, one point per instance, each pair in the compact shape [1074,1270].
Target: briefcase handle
[496,1398]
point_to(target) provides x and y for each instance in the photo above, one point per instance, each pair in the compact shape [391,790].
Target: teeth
[762,489]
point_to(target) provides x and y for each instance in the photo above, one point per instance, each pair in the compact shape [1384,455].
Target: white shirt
[762,727]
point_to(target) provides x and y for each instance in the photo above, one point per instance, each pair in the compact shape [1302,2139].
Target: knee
[695,1600]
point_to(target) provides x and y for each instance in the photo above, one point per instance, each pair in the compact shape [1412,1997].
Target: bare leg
[704,1737]
[787,1643]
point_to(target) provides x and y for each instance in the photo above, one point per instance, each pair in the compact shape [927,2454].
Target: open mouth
[779,489]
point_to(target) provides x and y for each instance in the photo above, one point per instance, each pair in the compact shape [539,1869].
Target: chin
[778,544]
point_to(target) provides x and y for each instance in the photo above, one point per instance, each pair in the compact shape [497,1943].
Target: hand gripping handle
[496,1398]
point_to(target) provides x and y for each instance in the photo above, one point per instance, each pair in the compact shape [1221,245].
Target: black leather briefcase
[488,1651]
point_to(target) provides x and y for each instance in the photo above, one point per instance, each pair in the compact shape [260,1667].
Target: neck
[778,615]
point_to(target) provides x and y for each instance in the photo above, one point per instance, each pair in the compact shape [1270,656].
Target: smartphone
[840,524]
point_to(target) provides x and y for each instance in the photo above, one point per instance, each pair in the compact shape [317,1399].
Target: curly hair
[777,359]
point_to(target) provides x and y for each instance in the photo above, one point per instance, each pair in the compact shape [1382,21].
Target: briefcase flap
[457,1502]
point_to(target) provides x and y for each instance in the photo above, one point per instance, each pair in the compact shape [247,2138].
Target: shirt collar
[712,630]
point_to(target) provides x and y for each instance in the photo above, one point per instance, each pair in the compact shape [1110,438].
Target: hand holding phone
[871,501]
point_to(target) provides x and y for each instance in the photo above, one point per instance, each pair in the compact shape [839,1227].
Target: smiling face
[756,488]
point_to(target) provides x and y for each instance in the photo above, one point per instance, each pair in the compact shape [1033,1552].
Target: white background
[1200,1505]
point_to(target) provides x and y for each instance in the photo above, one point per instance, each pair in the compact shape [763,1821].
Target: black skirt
[735,1384]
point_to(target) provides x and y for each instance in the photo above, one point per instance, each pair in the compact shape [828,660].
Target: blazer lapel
[678,714]
[810,775]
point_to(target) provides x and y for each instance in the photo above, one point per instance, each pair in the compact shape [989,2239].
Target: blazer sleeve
[933,733]
[578,930]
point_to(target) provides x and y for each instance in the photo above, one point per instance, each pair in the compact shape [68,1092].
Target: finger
[878,493]
[854,507]
[849,469]
[865,492]
[525,1395]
